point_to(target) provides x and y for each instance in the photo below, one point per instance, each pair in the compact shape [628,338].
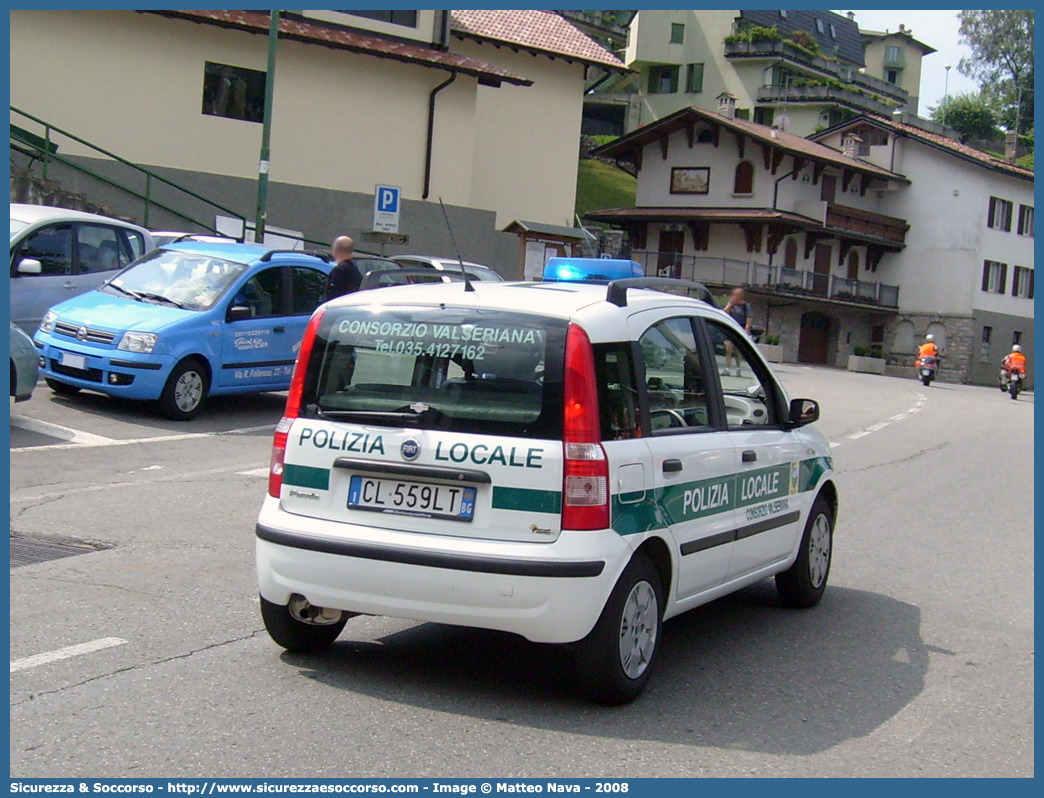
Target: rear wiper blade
[123,290]
[160,298]
[380,415]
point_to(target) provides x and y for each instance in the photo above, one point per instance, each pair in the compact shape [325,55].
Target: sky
[937,29]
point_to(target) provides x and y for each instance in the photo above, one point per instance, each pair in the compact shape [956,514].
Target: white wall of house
[946,205]
[333,127]
[527,138]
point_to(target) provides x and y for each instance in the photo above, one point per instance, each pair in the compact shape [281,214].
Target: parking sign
[386,208]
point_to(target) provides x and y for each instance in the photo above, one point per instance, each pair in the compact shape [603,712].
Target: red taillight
[293,406]
[585,485]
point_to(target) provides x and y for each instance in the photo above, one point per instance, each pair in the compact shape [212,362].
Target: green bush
[772,340]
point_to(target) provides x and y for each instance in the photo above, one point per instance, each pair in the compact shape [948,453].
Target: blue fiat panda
[185,322]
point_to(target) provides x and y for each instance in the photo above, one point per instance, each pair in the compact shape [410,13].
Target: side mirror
[30,266]
[802,412]
[239,313]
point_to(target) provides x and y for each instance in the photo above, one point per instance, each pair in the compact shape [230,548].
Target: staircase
[39,153]
[30,189]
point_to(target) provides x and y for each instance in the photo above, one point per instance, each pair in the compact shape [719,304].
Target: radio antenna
[463,273]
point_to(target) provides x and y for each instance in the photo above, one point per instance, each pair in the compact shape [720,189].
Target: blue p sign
[387,199]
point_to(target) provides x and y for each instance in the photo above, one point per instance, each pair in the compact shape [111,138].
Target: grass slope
[599,186]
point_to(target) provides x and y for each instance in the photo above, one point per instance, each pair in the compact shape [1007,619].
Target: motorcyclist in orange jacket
[928,349]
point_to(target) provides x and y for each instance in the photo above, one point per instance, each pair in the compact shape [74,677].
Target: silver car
[24,364]
[57,254]
[474,271]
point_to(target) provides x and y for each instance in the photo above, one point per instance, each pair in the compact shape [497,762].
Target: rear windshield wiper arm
[161,298]
[380,415]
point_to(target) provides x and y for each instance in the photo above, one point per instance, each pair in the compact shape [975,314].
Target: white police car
[564,460]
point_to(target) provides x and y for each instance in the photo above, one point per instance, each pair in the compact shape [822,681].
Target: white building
[871,236]
[480,108]
[816,68]
[966,274]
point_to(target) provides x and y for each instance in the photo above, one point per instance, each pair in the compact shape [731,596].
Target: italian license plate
[415,499]
[71,361]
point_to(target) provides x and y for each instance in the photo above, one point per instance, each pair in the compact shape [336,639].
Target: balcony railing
[728,272]
[821,94]
[867,223]
[834,69]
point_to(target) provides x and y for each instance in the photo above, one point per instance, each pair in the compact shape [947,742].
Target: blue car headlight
[141,342]
[47,322]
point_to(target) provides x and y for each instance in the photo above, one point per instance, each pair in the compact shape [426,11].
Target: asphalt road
[918,662]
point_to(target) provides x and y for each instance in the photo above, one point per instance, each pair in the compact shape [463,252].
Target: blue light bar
[590,270]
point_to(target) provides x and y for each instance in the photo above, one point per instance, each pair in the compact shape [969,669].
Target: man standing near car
[739,308]
[345,277]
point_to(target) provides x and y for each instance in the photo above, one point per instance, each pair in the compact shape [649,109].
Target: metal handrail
[728,272]
[46,155]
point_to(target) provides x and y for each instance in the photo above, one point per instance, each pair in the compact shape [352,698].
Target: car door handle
[672,466]
[750,456]
[279,329]
[69,284]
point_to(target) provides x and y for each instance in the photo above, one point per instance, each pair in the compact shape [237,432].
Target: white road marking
[74,436]
[84,440]
[853,436]
[65,653]
[254,472]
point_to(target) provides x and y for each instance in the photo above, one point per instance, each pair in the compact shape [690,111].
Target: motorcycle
[1011,381]
[927,366]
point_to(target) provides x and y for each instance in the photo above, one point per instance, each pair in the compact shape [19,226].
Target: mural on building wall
[690,180]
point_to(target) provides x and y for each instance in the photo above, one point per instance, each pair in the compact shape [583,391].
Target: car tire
[614,662]
[803,584]
[61,388]
[295,636]
[186,390]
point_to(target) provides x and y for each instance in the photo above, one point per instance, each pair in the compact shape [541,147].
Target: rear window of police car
[477,371]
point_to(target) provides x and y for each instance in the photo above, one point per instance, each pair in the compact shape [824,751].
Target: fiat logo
[81,334]
[410,450]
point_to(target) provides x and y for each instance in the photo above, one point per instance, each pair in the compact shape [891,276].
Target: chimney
[1010,146]
[902,28]
[727,105]
[850,145]
[851,15]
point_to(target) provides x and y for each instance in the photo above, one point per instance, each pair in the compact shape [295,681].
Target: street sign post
[386,202]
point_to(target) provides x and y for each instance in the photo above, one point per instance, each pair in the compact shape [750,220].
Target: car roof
[239,253]
[560,300]
[31,214]
[441,259]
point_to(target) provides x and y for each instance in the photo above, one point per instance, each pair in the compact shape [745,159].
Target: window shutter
[986,275]
[990,212]
[1003,285]
[1030,295]
[1007,216]
[1015,281]
[1022,215]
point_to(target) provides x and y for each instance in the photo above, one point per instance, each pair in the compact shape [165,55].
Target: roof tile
[254,22]
[541,31]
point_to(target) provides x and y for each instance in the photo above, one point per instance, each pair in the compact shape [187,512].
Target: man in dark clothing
[739,308]
[345,277]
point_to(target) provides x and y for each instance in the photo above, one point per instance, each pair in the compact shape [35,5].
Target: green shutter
[694,79]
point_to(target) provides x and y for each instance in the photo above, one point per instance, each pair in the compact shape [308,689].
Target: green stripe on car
[306,477]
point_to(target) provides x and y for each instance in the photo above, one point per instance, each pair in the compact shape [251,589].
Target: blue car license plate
[415,499]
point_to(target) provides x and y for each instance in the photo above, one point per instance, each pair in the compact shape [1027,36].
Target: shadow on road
[219,414]
[740,673]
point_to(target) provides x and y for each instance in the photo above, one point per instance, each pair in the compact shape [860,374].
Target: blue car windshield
[183,279]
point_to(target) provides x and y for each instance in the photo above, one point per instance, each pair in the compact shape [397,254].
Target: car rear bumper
[548,593]
[137,376]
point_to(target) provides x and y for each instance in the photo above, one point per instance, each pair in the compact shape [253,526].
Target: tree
[1001,60]
[969,114]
